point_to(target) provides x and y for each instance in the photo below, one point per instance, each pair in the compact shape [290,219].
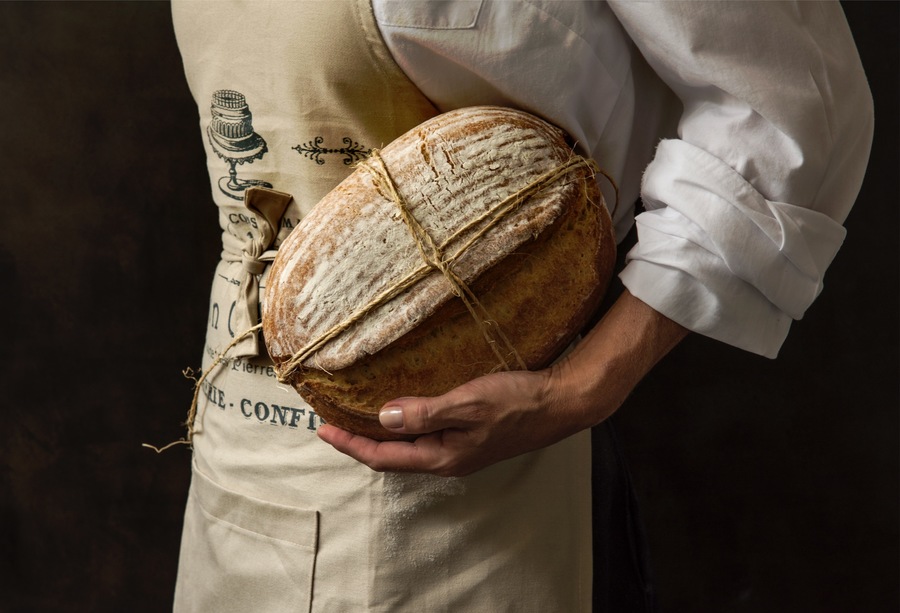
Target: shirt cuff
[728,310]
[716,256]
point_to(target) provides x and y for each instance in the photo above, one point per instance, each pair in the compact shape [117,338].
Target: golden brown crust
[541,288]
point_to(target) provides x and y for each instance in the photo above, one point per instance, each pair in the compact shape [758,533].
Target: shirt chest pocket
[243,554]
[450,15]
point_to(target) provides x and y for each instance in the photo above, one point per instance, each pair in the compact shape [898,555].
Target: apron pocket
[244,554]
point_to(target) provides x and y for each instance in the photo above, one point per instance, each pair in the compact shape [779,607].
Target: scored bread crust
[540,273]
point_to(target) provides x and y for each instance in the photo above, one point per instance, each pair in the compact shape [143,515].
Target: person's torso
[290,96]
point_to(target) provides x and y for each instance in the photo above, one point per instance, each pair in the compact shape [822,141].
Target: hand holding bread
[502,415]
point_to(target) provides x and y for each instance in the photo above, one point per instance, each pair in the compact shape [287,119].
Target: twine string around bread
[435,258]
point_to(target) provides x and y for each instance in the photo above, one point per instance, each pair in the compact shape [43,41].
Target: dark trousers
[622,578]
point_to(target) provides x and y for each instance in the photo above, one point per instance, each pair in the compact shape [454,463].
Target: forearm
[598,375]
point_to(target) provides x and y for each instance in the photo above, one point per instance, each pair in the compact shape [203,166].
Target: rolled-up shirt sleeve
[744,210]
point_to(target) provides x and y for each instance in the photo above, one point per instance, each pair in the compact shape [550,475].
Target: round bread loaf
[355,315]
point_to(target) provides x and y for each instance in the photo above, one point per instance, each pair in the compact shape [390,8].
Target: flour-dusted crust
[540,272]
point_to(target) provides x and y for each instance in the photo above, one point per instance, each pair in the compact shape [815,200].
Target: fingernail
[391,417]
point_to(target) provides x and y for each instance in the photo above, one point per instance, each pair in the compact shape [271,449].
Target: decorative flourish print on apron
[314,150]
[232,137]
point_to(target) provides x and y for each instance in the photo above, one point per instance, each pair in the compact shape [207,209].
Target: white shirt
[766,110]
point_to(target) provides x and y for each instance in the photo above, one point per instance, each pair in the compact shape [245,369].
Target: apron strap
[268,206]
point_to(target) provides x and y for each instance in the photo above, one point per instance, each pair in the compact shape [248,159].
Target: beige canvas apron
[290,95]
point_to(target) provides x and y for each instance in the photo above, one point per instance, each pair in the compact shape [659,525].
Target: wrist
[598,375]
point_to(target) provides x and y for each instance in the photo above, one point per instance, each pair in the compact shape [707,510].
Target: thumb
[413,416]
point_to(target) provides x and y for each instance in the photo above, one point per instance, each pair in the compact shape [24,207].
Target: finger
[400,456]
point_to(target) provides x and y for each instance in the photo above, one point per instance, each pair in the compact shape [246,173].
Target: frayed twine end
[190,373]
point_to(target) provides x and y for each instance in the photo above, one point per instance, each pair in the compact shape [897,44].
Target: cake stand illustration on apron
[232,137]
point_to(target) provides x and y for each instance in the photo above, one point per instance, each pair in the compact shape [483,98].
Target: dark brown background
[765,485]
